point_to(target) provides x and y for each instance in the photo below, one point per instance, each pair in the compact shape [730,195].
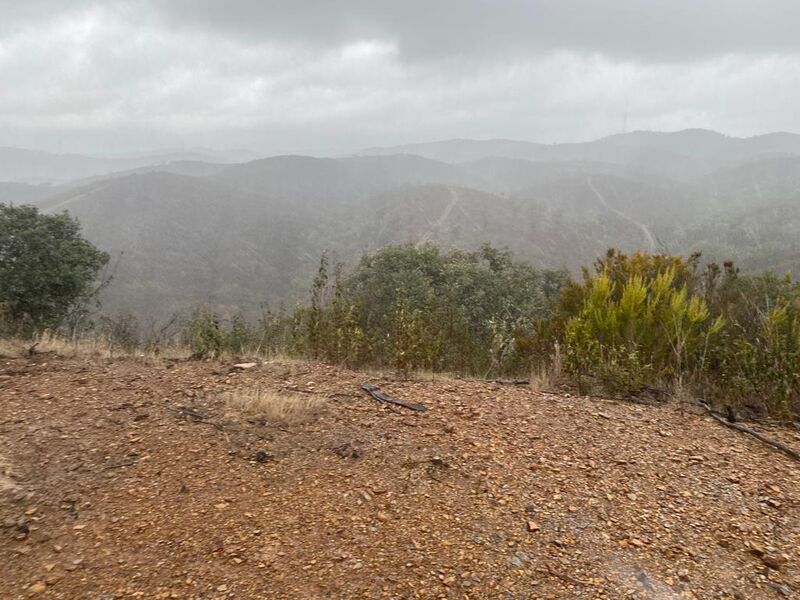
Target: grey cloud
[637,29]
[330,77]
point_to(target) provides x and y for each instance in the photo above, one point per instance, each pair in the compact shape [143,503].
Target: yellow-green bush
[649,321]
[630,334]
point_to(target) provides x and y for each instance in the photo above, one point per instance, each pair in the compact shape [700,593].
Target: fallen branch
[196,416]
[510,381]
[184,411]
[387,399]
[759,436]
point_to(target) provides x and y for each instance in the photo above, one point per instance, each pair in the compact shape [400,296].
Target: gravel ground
[496,491]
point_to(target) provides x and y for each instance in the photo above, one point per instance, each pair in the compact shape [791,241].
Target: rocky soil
[109,488]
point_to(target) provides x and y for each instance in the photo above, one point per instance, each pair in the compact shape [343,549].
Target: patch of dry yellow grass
[547,375]
[13,348]
[273,406]
[86,347]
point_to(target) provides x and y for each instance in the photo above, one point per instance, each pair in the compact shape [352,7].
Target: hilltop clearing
[123,479]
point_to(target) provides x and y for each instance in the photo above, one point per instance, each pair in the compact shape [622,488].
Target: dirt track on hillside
[494,492]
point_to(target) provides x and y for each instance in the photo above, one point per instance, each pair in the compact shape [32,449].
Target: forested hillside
[185,233]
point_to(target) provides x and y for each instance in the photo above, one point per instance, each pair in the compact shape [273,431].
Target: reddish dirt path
[495,492]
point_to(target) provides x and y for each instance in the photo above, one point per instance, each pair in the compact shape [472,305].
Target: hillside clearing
[494,492]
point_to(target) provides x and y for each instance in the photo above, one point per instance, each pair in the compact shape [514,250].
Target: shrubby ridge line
[638,326]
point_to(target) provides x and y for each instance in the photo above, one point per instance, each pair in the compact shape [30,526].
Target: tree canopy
[45,267]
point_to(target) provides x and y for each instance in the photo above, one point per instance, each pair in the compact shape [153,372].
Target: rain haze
[329,78]
[408,299]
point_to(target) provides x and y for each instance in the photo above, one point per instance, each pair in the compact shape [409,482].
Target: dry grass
[87,347]
[13,348]
[546,376]
[681,394]
[542,378]
[273,406]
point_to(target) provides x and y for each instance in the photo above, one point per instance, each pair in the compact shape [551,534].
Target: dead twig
[387,399]
[759,436]
[510,381]
[195,416]
[183,410]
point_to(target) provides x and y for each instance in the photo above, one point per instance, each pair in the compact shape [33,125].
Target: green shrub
[756,363]
[417,308]
[640,332]
[652,321]
[204,335]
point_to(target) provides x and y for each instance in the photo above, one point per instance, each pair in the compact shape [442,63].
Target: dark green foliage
[653,321]
[756,363]
[208,336]
[239,337]
[204,336]
[415,307]
[45,267]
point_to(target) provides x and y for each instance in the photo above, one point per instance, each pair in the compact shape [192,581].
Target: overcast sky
[331,77]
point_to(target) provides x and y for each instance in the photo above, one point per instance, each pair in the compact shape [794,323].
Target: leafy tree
[204,335]
[45,267]
[416,307]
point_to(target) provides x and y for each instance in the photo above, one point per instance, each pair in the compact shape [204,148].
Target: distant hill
[33,166]
[678,152]
[24,193]
[236,235]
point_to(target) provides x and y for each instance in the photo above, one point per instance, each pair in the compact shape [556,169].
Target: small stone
[773,561]
[782,589]
[382,517]
[533,526]
[244,366]
[262,456]
[757,549]
[38,587]
[222,588]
